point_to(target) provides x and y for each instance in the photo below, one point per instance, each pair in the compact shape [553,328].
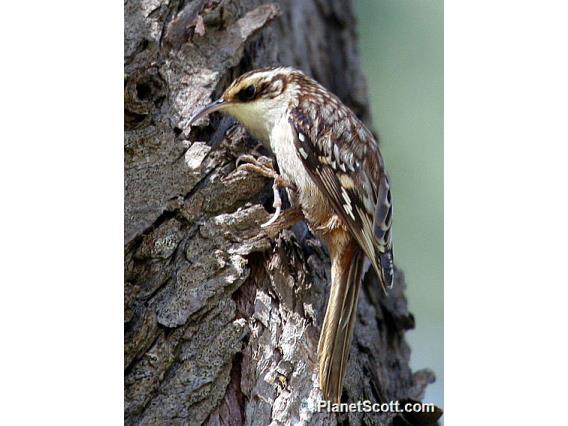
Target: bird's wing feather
[349,171]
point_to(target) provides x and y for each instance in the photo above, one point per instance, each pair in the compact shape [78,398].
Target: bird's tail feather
[337,329]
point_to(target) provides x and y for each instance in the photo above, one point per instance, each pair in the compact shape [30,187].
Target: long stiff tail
[337,329]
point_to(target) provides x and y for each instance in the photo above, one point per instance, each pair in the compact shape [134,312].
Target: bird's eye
[247,93]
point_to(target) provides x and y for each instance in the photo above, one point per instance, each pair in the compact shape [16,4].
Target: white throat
[260,116]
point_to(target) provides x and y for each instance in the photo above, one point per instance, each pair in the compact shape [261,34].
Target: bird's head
[258,99]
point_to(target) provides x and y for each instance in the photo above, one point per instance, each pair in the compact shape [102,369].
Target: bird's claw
[277,204]
[262,165]
[265,167]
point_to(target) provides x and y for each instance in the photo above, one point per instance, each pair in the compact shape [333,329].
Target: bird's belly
[317,210]
[314,204]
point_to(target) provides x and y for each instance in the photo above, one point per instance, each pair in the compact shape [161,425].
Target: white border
[61,174]
[506,213]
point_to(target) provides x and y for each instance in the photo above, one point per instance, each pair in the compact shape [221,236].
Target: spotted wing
[345,164]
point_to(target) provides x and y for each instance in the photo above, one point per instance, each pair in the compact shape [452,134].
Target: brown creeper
[334,165]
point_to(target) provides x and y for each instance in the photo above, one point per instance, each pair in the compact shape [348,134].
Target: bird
[331,166]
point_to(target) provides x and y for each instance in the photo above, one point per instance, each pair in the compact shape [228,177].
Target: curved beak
[208,109]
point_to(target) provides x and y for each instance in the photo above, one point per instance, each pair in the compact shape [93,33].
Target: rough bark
[222,320]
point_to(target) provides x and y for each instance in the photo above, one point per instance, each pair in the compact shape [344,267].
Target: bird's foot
[277,204]
[261,165]
[264,166]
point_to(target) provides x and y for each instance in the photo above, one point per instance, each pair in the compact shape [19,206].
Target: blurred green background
[401,45]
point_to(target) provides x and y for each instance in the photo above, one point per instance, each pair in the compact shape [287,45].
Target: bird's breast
[315,206]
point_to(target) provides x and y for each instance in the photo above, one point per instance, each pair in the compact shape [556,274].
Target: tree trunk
[222,320]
